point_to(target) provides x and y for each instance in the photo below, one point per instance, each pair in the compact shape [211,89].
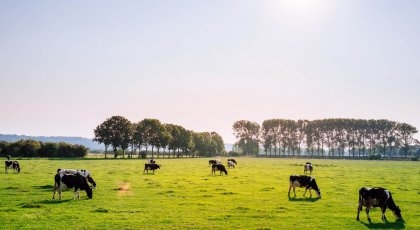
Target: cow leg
[55,190]
[306,189]
[383,209]
[76,193]
[359,209]
[367,214]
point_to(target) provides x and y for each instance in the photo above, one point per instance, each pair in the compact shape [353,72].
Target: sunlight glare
[299,13]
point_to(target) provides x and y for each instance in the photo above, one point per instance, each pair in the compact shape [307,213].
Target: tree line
[32,148]
[150,135]
[327,137]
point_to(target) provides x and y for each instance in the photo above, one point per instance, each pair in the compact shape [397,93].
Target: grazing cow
[377,197]
[85,173]
[152,167]
[11,165]
[212,162]
[67,181]
[233,160]
[304,181]
[308,167]
[218,167]
[231,164]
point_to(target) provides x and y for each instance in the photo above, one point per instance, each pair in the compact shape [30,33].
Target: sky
[67,66]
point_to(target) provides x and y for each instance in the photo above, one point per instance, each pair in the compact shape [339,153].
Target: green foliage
[234,154]
[252,196]
[119,133]
[31,148]
[357,136]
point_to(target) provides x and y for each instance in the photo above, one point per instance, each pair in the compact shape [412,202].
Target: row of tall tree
[148,135]
[32,148]
[331,137]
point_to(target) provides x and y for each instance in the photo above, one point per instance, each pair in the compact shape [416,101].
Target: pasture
[184,195]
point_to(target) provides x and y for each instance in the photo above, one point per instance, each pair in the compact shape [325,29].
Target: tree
[405,134]
[248,134]
[103,134]
[147,133]
[115,131]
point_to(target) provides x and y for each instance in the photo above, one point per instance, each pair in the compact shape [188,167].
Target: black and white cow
[64,181]
[304,181]
[212,162]
[152,167]
[377,197]
[218,167]
[11,165]
[85,173]
[231,164]
[308,167]
[232,160]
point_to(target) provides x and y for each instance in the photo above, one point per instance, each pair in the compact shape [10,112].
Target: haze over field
[65,67]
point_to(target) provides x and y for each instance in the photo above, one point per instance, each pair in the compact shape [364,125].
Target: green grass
[184,195]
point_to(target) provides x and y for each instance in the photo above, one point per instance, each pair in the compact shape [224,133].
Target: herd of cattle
[81,179]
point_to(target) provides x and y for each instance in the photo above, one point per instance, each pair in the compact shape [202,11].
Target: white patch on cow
[296,184]
[387,194]
[84,173]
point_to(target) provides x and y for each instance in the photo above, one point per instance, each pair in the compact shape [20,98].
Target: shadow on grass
[399,224]
[42,203]
[304,199]
[44,187]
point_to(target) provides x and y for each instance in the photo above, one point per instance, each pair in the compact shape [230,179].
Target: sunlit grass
[184,195]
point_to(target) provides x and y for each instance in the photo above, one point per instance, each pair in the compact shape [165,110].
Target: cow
[230,164]
[377,197]
[232,160]
[152,167]
[218,167]
[304,181]
[64,181]
[85,173]
[212,162]
[11,165]
[307,167]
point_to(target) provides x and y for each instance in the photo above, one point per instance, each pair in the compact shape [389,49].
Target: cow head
[85,186]
[397,212]
[16,166]
[89,192]
[318,192]
[90,179]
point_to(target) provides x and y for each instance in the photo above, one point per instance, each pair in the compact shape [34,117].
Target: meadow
[184,195]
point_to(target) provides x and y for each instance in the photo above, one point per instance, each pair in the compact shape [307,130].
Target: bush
[234,154]
[143,154]
[375,157]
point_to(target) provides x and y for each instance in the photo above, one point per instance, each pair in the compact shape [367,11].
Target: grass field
[184,195]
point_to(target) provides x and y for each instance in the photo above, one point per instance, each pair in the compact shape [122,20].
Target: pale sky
[67,66]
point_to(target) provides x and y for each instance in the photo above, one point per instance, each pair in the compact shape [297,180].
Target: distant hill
[87,142]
